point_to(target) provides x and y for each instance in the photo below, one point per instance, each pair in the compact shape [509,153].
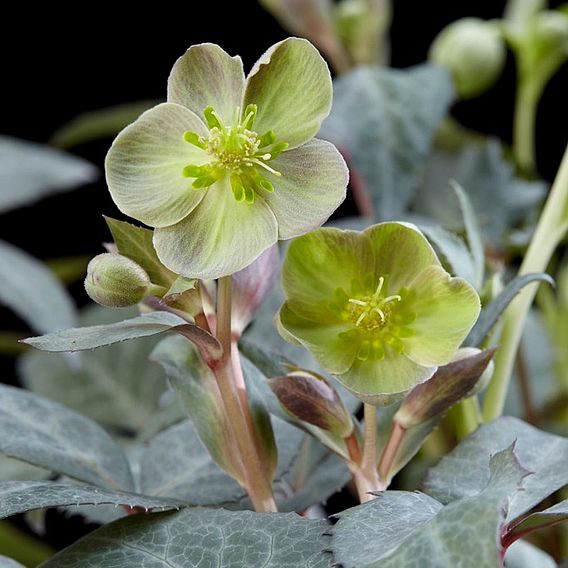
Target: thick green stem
[550,230]
[254,473]
[524,126]
[468,417]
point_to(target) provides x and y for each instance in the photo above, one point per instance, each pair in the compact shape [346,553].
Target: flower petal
[206,75]
[145,163]
[446,310]
[323,341]
[384,381]
[401,251]
[291,86]
[312,186]
[321,264]
[219,237]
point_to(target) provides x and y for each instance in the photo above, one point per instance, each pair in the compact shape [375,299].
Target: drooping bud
[116,281]
[473,51]
[449,385]
[310,398]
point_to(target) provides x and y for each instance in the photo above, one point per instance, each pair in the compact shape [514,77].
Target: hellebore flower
[228,166]
[375,308]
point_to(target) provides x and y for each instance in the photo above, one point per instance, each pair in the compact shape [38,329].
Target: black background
[60,63]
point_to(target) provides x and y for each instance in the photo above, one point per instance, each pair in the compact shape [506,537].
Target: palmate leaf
[47,434]
[385,120]
[464,471]
[402,529]
[32,291]
[30,171]
[201,537]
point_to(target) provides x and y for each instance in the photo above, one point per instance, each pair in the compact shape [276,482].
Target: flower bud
[312,399]
[116,281]
[473,51]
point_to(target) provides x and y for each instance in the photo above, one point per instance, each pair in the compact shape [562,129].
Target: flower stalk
[254,473]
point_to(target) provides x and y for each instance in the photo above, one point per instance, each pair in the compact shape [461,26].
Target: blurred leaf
[11,469]
[500,200]
[48,435]
[472,232]
[154,323]
[32,291]
[491,313]
[464,471]
[136,244]
[97,124]
[217,538]
[30,171]
[385,120]
[69,269]
[177,465]
[400,530]
[522,554]
[196,387]
[22,496]
[21,547]
[116,386]
[6,562]
[453,250]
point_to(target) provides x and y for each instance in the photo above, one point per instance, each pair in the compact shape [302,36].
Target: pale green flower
[375,308]
[229,165]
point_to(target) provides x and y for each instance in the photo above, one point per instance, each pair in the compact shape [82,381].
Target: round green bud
[473,51]
[116,281]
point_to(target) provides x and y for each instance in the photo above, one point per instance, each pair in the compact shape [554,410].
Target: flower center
[379,320]
[237,151]
[372,312]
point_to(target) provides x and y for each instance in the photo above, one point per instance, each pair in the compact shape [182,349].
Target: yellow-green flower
[229,165]
[375,308]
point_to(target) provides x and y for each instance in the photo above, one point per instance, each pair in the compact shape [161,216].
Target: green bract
[228,166]
[375,308]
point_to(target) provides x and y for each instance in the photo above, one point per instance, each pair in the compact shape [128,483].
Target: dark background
[59,63]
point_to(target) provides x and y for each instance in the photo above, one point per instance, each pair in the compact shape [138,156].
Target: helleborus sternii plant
[228,166]
[375,308]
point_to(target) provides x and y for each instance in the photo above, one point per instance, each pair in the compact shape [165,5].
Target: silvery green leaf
[6,562]
[22,496]
[47,434]
[97,124]
[201,537]
[410,529]
[464,471]
[116,385]
[30,171]
[522,554]
[500,200]
[177,465]
[146,325]
[32,291]
[385,120]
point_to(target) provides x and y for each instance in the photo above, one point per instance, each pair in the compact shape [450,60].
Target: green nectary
[375,308]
